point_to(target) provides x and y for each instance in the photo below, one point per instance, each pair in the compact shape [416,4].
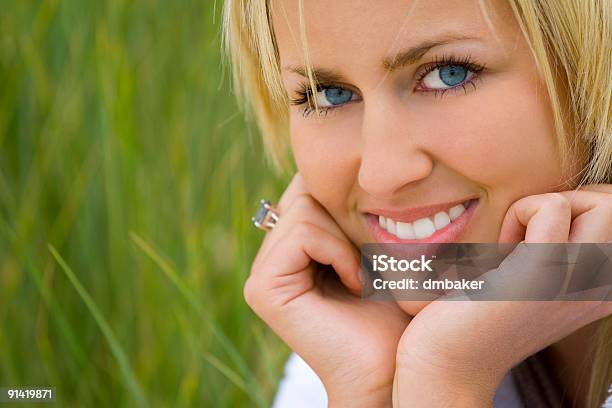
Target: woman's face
[433,117]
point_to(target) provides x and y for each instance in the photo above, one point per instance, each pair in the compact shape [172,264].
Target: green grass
[127,181]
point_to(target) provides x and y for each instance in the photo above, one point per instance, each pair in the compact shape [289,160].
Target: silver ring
[266,216]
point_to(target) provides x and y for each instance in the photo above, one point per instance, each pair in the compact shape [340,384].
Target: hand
[350,343]
[460,350]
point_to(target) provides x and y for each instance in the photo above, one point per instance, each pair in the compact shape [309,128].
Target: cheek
[499,136]
[327,157]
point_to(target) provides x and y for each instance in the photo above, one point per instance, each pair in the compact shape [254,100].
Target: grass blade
[117,351]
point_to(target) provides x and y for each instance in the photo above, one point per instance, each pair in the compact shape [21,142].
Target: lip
[451,233]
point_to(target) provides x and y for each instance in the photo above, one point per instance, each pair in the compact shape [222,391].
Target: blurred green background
[127,180]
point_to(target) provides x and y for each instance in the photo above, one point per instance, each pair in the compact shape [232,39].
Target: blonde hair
[571,41]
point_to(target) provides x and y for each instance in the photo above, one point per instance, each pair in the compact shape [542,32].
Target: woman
[430,121]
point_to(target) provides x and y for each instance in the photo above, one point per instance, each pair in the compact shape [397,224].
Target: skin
[396,145]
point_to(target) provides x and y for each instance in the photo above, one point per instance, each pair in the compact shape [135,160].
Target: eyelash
[466,62]
[305,93]
[305,97]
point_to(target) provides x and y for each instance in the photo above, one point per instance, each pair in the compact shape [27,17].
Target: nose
[393,154]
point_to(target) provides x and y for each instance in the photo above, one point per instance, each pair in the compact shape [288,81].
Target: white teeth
[456,211]
[405,230]
[391,226]
[423,228]
[441,220]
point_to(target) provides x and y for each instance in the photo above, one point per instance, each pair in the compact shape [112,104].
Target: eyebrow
[402,59]
[320,74]
[413,54]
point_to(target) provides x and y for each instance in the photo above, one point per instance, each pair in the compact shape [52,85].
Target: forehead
[366,31]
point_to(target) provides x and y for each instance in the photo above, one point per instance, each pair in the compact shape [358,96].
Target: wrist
[435,392]
[357,398]
[431,386]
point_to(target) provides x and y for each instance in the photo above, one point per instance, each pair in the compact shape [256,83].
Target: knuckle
[303,202]
[345,252]
[557,200]
[249,291]
[302,231]
[605,202]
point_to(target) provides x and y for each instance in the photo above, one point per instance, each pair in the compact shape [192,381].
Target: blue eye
[337,96]
[446,77]
[453,75]
[329,96]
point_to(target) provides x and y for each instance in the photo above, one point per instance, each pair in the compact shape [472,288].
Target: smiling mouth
[439,223]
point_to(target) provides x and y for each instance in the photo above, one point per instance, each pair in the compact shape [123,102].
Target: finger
[585,200]
[304,208]
[591,216]
[592,226]
[295,189]
[290,260]
[537,218]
